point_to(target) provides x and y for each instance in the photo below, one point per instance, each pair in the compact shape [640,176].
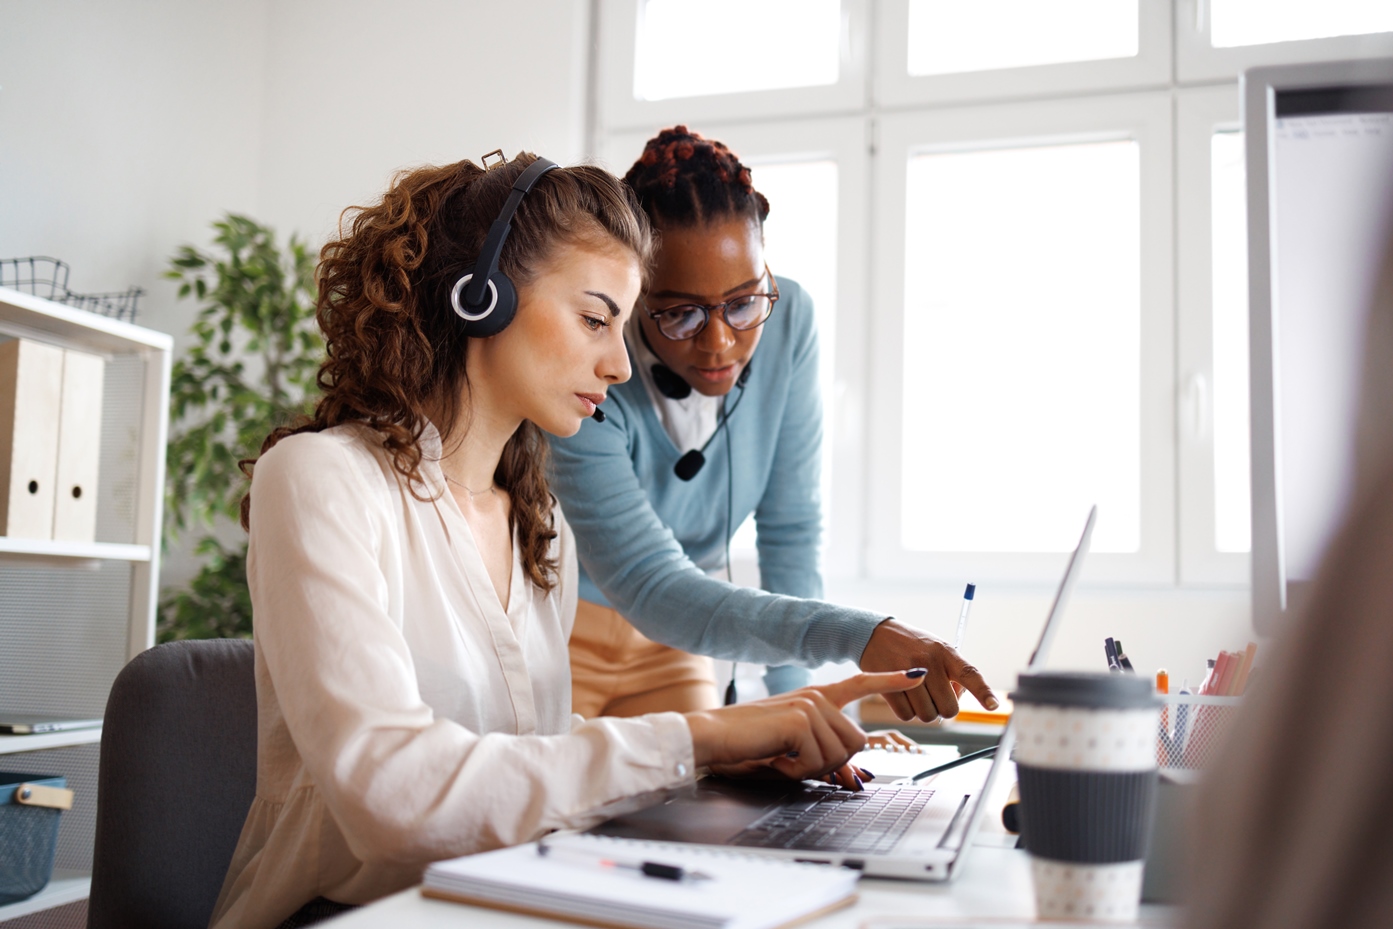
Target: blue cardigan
[641,531]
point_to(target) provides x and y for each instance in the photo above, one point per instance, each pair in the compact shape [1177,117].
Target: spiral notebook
[598,881]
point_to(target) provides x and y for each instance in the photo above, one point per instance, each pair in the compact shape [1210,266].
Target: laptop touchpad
[710,812]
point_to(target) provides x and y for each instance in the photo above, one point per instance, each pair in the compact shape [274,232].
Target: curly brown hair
[395,348]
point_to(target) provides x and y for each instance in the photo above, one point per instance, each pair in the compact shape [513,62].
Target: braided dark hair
[684,179]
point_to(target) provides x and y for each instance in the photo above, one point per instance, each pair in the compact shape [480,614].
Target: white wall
[126,128]
[356,89]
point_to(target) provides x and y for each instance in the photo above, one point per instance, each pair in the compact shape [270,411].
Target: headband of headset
[485,298]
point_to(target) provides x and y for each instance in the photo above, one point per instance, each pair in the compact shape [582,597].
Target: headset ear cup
[503,311]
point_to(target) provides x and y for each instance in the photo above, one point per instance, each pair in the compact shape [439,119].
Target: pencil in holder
[30,806]
[1193,728]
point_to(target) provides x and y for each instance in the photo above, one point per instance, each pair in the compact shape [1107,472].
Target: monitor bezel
[1272,597]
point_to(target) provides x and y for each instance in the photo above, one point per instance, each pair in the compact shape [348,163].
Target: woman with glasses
[722,419]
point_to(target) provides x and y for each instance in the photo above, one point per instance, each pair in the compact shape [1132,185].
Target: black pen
[970,756]
[666,872]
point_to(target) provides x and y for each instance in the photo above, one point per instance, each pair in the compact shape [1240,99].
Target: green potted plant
[251,367]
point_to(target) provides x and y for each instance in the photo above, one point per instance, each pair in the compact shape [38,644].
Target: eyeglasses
[687,320]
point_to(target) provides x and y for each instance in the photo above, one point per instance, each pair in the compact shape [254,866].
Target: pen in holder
[1193,728]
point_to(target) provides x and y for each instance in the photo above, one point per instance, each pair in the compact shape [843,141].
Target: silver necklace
[491,489]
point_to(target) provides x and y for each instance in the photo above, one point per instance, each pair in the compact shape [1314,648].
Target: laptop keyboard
[869,822]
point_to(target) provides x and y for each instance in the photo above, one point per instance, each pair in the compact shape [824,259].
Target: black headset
[485,298]
[690,464]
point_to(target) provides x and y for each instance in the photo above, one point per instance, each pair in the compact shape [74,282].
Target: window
[1024,365]
[1219,39]
[1022,268]
[688,49]
[677,61]
[947,36]
[951,51]
[1026,244]
[1232,503]
[800,239]
[1261,22]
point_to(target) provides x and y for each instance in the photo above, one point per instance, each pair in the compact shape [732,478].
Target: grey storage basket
[30,805]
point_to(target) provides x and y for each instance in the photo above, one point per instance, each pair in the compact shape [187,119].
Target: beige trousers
[618,671]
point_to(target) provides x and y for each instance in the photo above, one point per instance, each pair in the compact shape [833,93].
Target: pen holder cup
[1193,729]
[30,806]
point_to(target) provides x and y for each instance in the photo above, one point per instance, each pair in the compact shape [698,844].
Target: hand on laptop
[894,645]
[799,734]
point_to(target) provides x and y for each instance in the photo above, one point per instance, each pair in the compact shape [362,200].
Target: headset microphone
[598,415]
[690,464]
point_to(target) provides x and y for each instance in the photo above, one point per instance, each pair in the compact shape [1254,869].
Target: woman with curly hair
[722,419]
[414,583]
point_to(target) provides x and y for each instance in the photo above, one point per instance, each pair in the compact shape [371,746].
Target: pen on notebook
[962,616]
[666,872]
[970,756]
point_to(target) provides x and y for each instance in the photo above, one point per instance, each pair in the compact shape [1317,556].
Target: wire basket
[1193,729]
[28,835]
[48,278]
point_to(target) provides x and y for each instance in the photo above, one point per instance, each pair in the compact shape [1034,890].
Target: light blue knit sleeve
[789,514]
[640,567]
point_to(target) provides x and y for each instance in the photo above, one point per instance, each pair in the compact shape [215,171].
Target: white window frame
[896,87]
[842,140]
[1200,112]
[1198,60]
[1143,117]
[618,109]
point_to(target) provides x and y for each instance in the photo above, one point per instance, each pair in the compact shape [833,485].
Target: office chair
[175,781]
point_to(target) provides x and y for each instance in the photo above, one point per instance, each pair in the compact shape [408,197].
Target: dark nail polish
[916,673]
[790,754]
[867,775]
[860,785]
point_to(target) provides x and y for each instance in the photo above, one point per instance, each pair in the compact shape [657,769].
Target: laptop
[920,831]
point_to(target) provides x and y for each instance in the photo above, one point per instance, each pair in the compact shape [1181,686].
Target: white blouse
[403,715]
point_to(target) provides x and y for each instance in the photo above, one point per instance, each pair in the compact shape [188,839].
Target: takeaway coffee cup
[1086,762]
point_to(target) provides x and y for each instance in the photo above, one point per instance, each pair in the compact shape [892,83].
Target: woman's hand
[799,734]
[893,740]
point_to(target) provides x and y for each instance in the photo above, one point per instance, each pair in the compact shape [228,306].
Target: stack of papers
[577,880]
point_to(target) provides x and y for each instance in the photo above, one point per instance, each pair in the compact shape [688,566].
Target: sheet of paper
[889,765]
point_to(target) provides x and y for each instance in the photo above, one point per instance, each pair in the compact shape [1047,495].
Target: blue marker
[962,616]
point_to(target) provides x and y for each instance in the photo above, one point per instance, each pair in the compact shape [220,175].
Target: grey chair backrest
[176,778]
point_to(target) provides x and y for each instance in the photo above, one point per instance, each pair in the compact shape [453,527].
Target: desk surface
[996,884]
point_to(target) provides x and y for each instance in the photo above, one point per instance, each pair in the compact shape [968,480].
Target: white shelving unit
[73,613]
[44,741]
[66,887]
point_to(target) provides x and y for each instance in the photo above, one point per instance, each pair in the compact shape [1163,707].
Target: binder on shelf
[79,448]
[31,387]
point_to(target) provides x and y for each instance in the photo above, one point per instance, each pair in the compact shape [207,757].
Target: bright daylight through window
[687,49]
[800,242]
[1022,268]
[950,36]
[1258,22]
[1229,239]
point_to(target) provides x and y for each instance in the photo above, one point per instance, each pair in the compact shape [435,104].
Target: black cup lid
[1078,688]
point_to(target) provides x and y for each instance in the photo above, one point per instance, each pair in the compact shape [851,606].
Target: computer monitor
[1319,141]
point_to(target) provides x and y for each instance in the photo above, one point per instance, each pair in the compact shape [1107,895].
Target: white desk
[995,884]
